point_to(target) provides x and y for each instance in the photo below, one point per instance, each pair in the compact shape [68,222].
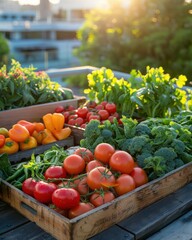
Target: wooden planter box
[34,113]
[100,218]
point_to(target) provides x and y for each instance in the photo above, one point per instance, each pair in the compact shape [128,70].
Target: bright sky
[34,2]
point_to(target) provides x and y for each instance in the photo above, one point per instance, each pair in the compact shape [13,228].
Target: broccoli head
[167,153]
[136,144]
[142,129]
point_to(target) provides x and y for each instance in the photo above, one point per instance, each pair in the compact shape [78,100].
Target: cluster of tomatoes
[87,180]
[90,110]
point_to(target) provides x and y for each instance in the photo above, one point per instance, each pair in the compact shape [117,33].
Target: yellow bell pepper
[10,146]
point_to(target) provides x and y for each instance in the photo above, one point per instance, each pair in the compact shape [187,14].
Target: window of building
[67,35]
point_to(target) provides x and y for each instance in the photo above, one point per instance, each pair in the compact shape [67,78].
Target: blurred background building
[44,35]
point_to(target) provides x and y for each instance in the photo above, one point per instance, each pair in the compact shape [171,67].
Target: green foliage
[150,32]
[20,87]
[4,51]
[154,94]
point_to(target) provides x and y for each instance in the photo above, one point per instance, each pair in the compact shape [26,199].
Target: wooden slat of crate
[34,113]
[23,155]
[100,218]
[156,216]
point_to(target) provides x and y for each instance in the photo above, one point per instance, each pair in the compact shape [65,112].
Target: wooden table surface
[168,219]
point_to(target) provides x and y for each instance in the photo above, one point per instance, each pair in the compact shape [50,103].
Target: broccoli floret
[155,167]
[178,146]
[186,157]
[167,153]
[92,131]
[136,144]
[142,129]
[141,158]
[178,163]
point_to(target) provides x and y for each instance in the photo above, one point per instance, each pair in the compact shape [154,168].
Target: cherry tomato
[82,112]
[125,183]
[91,104]
[55,172]
[69,108]
[74,164]
[85,153]
[71,121]
[111,107]
[66,114]
[72,116]
[28,186]
[59,109]
[121,161]
[140,176]
[103,152]
[99,107]
[93,164]
[83,207]
[100,177]
[99,199]
[79,121]
[43,191]
[66,198]
[103,114]
[94,116]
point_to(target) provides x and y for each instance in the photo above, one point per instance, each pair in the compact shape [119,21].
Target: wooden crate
[35,112]
[100,218]
[26,154]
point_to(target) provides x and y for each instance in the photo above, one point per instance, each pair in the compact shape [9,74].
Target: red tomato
[111,118]
[43,191]
[83,125]
[139,175]
[91,104]
[104,103]
[28,186]
[100,177]
[98,199]
[82,112]
[66,114]
[94,116]
[85,153]
[55,172]
[79,121]
[103,152]
[111,107]
[103,114]
[80,209]
[72,116]
[121,161]
[99,107]
[71,121]
[81,186]
[65,198]
[125,183]
[70,108]
[74,164]
[93,164]
[59,109]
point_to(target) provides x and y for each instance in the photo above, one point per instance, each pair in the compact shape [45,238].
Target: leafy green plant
[20,87]
[154,94]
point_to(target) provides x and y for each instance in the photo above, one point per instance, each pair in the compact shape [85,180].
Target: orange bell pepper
[62,134]
[2,140]
[39,136]
[29,125]
[39,126]
[18,133]
[9,147]
[47,119]
[29,143]
[49,138]
[58,121]
[54,121]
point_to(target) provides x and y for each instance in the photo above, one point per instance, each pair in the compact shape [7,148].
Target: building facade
[44,36]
